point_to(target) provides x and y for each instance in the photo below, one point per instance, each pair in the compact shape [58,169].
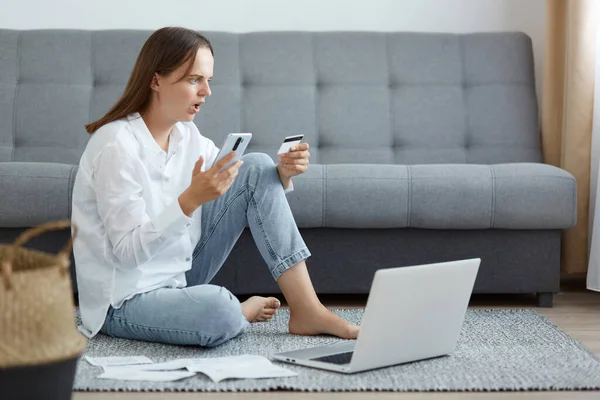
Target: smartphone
[289,142]
[237,142]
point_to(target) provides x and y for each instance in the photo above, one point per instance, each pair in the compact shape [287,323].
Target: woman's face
[179,97]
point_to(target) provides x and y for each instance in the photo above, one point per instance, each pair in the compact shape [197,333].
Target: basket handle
[62,256]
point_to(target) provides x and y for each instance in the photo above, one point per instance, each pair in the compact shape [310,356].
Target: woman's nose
[205,90]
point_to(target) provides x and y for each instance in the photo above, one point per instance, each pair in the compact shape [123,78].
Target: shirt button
[188,224]
[187,259]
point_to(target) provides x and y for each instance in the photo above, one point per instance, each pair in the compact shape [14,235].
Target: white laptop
[412,313]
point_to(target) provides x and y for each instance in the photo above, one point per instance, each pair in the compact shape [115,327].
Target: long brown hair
[164,51]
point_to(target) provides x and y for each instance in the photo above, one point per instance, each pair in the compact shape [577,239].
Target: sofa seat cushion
[435,196]
[32,193]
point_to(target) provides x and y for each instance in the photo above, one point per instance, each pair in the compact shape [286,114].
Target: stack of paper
[219,368]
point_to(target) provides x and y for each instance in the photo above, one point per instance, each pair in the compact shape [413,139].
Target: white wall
[257,15]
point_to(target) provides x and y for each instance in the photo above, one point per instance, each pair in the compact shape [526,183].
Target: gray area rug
[498,350]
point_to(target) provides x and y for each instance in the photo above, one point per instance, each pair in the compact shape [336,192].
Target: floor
[576,311]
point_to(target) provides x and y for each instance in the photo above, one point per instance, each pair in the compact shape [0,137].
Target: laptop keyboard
[341,358]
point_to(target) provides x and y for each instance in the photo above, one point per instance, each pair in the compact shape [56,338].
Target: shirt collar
[142,133]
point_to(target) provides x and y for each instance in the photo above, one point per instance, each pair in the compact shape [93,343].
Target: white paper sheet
[132,374]
[108,361]
[241,367]
[171,365]
[216,368]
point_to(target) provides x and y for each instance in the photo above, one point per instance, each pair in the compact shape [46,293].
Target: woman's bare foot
[321,321]
[257,308]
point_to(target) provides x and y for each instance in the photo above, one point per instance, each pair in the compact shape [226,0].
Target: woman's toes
[268,313]
[257,309]
[272,303]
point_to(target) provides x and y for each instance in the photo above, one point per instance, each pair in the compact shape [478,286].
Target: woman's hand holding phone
[208,185]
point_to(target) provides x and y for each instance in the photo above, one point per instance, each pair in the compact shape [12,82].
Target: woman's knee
[259,169]
[221,316]
[260,160]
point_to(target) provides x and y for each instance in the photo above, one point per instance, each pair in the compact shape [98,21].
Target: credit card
[289,142]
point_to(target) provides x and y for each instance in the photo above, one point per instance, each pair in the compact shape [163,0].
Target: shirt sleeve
[290,188]
[134,236]
[212,151]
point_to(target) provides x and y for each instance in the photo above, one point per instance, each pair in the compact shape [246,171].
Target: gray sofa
[425,147]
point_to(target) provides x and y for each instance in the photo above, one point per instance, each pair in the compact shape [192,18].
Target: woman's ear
[154,82]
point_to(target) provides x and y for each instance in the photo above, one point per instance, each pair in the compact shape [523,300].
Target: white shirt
[132,235]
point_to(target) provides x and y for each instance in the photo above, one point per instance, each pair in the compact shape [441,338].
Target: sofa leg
[544,299]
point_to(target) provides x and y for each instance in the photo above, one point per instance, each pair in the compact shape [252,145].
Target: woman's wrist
[188,206]
[285,180]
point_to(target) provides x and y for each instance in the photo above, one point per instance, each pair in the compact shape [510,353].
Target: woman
[156,222]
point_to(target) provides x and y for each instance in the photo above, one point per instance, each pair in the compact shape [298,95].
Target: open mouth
[196,107]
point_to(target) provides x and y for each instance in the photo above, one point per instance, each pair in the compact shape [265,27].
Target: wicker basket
[38,334]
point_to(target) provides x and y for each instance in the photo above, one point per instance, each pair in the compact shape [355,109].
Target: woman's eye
[194,80]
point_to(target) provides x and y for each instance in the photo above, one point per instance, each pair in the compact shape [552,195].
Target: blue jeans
[201,313]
